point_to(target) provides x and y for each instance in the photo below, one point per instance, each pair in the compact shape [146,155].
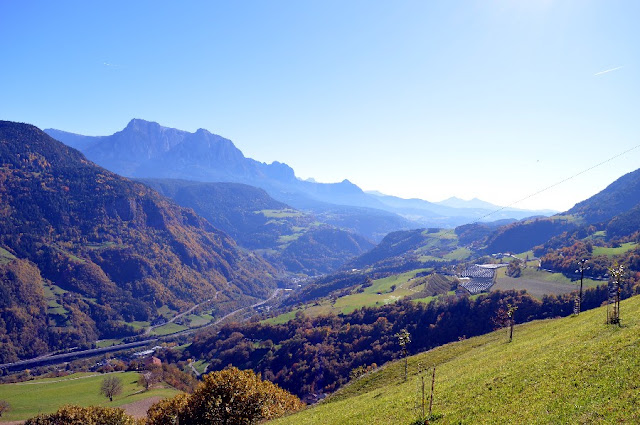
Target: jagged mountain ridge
[147,150]
[115,249]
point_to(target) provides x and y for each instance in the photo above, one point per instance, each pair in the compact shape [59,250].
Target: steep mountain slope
[101,250]
[294,239]
[432,247]
[523,236]
[615,209]
[232,207]
[571,370]
[619,197]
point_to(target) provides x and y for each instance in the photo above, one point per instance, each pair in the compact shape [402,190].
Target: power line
[555,184]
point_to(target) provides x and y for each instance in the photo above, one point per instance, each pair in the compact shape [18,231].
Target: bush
[513,269]
[231,396]
[75,415]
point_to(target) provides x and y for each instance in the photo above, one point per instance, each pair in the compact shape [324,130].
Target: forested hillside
[294,240]
[85,251]
[317,355]
[620,196]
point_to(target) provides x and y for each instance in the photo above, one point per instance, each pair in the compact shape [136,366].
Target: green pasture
[27,399]
[6,257]
[168,329]
[539,282]
[379,293]
[610,252]
[108,342]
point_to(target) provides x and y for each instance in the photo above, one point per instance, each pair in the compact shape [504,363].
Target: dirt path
[138,409]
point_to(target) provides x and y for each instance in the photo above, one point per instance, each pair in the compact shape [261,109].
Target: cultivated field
[539,282]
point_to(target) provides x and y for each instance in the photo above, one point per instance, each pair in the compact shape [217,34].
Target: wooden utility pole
[422,395]
[433,383]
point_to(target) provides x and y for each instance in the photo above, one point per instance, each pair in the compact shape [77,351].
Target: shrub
[231,396]
[76,415]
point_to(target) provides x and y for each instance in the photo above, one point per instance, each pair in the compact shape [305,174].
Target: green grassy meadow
[109,342]
[168,329]
[539,282]
[27,399]
[574,370]
[381,291]
[610,252]
[5,256]
[284,213]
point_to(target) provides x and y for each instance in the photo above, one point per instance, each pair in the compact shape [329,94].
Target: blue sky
[430,99]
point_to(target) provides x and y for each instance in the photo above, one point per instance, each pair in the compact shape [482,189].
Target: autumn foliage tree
[513,269]
[76,415]
[150,377]
[167,411]
[231,397]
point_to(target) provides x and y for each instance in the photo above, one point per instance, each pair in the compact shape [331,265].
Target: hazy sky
[428,99]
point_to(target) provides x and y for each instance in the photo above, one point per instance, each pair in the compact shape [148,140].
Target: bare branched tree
[4,407]
[404,339]
[111,387]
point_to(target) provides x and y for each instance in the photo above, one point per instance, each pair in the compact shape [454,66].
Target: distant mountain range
[476,203]
[604,230]
[147,150]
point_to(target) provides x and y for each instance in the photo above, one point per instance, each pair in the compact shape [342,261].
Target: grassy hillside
[571,370]
[414,284]
[420,246]
[27,399]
